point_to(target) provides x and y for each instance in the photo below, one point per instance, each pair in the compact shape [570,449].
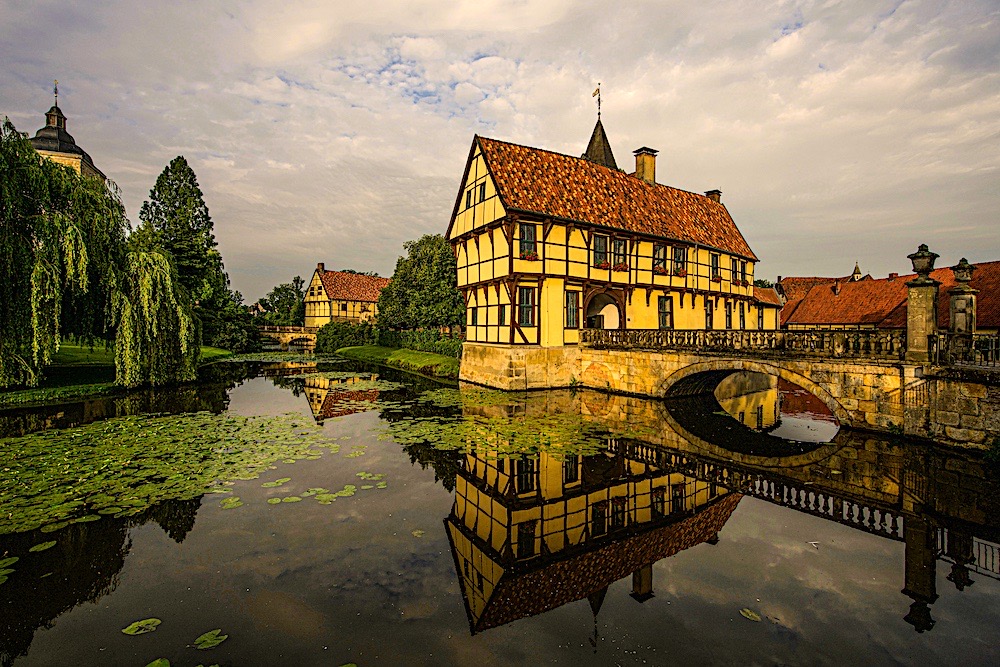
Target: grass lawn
[428,363]
[77,371]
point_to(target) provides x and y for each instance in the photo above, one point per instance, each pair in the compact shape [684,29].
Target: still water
[336,513]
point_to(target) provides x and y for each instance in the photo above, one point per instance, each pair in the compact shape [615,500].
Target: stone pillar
[921,307]
[962,311]
[642,583]
[920,571]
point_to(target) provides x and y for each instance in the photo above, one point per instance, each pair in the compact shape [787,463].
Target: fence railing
[277,329]
[976,350]
[874,344]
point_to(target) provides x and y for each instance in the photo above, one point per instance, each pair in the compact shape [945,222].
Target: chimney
[714,195]
[320,267]
[836,289]
[645,164]
[893,276]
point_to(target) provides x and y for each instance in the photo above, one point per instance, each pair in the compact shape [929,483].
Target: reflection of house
[341,296]
[548,244]
[335,398]
[751,398]
[58,145]
[866,303]
[534,533]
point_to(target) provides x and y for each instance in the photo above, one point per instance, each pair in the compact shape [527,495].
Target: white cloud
[334,132]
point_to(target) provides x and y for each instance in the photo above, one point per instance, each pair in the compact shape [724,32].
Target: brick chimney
[714,195]
[645,164]
[893,276]
[320,267]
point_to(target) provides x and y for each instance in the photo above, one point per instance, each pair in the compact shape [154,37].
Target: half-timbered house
[548,244]
[341,296]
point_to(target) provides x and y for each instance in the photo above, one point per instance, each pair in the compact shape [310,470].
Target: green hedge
[335,335]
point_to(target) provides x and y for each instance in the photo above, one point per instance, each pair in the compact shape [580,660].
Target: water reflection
[83,566]
[533,533]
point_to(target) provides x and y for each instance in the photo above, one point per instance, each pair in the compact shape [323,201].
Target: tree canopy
[284,305]
[176,217]
[62,238]
[423,292]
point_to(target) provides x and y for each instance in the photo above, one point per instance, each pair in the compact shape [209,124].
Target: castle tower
[55,143]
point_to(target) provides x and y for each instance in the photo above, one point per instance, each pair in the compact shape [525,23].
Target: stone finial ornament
[963,271]
[923,262]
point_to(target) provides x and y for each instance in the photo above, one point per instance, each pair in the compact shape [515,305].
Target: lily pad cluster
[120,467]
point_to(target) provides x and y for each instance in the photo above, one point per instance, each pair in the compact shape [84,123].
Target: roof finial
[597,94]
[55,90]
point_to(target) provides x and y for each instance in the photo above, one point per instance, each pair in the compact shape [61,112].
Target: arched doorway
[603,312]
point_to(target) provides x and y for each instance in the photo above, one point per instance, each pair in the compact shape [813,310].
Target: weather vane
[55,90]
[597,94]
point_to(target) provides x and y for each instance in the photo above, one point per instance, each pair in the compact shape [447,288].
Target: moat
[325,512]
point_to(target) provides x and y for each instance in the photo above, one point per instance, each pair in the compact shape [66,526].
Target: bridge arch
[703,377]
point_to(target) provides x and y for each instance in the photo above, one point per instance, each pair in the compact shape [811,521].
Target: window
[715,266]
[760,317]
[526,306]
[527,239]
[525,475]
[760,416]
[468,199]
[729,315]
[665,311]
[526,539]
[659,503]
[680,259]
[571,469]
[572,310]
[502,314]
[709,314]
[677,499]
[619,252]
[617,513]
[743,316]
[474,316]
[599,519]
[343,307]
[479,581]
[659,258]
[482,191]
[742,418]
[743,271]
[600,250]
[736,269]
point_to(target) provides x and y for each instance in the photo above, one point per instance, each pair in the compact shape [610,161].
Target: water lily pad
[365,487]
[210,640]
[42,547]
[159,662]
[291,499]
[6,562]
[231,503]
[381,485]
[274,501]
[750,615]
[142,627]
[418,533]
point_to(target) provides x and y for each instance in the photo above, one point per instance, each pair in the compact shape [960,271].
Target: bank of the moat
[344,513]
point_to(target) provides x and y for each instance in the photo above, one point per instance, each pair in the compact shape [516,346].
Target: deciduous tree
[423,292]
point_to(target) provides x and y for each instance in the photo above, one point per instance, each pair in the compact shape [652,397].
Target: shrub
[334,335]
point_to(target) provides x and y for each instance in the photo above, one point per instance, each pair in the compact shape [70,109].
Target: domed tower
[58,145]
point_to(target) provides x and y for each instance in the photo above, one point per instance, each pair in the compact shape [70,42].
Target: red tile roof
[572,575]
[537,181]
[767,295]
[882,302]
[795,288]
[352,286]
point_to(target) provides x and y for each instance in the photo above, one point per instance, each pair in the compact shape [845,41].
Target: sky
[838,131]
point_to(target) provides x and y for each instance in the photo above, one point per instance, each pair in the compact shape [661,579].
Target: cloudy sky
[838,131]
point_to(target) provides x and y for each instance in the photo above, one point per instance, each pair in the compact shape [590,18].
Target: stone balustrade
[964,349]
[867,344]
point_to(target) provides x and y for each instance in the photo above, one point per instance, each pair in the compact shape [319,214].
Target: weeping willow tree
[62,239]
[69,268]
[157,337]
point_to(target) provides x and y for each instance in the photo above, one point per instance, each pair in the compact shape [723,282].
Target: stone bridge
[866,378]
[288,335]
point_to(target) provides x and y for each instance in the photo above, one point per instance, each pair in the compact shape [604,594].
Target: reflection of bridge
[288,335]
